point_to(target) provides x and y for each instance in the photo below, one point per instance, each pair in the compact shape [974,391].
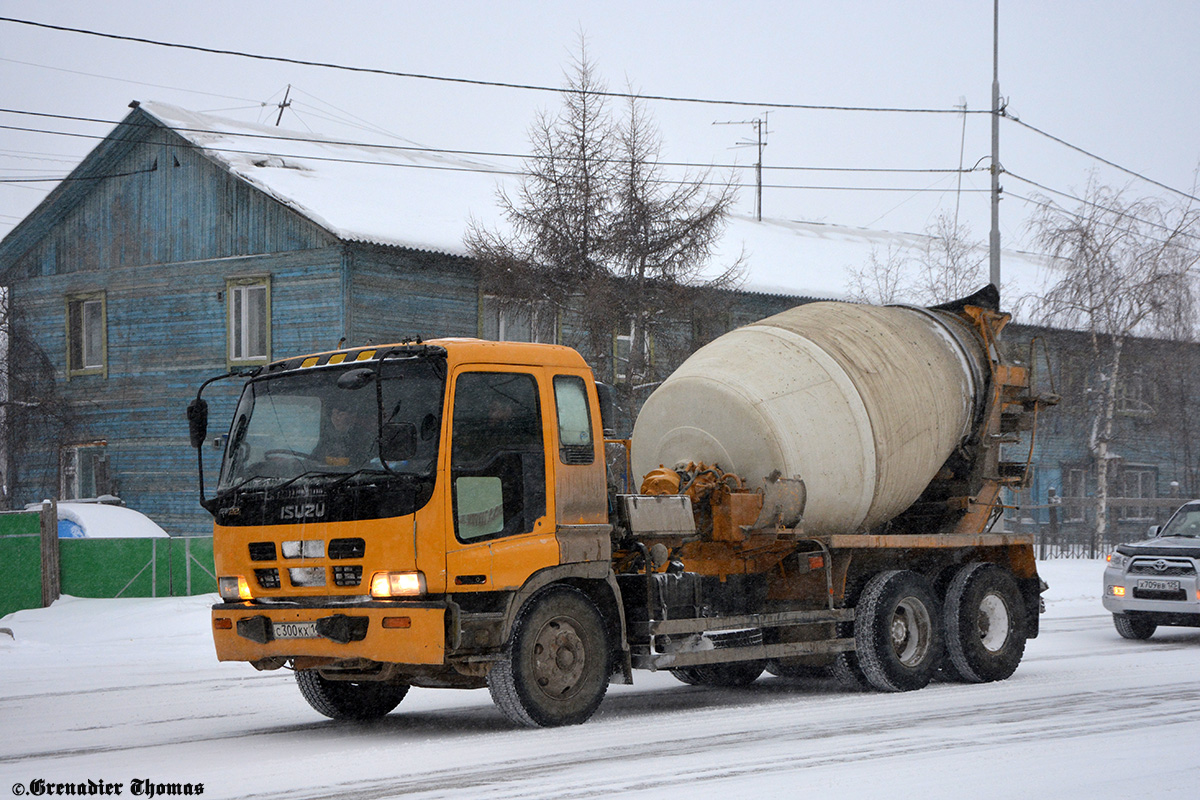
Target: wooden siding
[165,202]
[396,294]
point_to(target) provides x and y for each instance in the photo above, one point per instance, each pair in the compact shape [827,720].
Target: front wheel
[557,666]
[349,699]
[897,632]
[985,624]
[1134,627]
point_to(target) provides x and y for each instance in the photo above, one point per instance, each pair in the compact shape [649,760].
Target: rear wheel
[557,666]
[897,632]
[349,699]
[1134,627]
[985,624]
[741,673]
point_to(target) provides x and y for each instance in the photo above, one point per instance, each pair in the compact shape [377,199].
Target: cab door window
[497,458]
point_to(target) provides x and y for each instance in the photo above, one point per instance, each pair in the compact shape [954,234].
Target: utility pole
[284,104]
[760,126]
[994,239]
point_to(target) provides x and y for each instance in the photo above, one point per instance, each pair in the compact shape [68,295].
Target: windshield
[1185,522]
[323,425]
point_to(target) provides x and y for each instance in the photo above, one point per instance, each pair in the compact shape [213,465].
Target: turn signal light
[223,624]
[397,584]
[397,622]
[233,587]
[1116,591]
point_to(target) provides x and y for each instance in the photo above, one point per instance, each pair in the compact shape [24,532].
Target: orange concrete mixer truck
[814,491]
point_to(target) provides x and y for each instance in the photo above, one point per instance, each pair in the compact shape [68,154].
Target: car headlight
[1117,561]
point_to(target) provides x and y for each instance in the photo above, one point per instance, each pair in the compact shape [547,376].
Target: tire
[738,673]
[1134,627]
[349,699]
[985,624]
[898,632]
[555,671]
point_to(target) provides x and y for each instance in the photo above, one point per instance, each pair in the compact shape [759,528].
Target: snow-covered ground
[118,691]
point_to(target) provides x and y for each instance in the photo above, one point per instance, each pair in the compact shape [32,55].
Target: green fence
[160,567]
[137,567]
[20,561]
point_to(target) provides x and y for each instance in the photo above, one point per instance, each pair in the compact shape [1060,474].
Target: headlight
[397,584]
[1117,561]
[233,588]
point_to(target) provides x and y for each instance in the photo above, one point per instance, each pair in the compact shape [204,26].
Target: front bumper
[1185,600]
[416,632]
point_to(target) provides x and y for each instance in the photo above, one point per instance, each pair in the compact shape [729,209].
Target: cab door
[500,504]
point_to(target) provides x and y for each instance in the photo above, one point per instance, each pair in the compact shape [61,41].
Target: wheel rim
[559,658]
[994,622]
[911,632]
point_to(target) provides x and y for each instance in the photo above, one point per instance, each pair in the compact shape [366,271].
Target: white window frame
[539,319]
[240,347]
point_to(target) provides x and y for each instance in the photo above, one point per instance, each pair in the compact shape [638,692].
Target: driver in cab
[348,437]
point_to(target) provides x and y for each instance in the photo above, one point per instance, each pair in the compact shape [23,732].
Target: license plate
[1159,586]
[295,630]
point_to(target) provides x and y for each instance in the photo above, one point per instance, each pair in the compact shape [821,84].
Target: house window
[83,471]
[517,320]
[1138,481]
[86,334]
[1135,395]
[249,319]
[623,347]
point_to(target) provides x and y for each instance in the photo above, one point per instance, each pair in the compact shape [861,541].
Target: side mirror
[356,379]
[398,441]
[1153,531]
[197,417]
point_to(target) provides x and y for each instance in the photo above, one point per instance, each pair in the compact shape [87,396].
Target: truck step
[722,655]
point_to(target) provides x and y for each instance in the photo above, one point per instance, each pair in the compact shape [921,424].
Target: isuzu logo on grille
[302,511]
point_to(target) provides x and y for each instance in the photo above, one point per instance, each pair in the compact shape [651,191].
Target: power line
[472,81]
[1092,204]
[452,152]
[1103,160]
[1111,226]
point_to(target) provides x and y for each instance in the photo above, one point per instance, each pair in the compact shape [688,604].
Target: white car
[1154,582]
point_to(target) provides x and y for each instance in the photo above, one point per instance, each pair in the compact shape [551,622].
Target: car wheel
[1134,627]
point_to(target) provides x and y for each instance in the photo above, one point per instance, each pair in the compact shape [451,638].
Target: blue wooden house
[185,245]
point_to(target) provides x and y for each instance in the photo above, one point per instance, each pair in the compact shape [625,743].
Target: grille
[1174,568]
[577,453]
[347,575]
[267,578]
[347,548]
[262,551]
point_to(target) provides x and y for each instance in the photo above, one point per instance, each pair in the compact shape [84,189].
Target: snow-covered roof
[403,194]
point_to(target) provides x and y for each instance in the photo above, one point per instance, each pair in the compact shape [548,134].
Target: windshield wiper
[376,471]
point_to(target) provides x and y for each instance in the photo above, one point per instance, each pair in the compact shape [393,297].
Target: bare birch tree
[1127,266]
[951,266]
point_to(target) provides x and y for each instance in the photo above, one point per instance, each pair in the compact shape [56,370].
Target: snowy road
[125,690]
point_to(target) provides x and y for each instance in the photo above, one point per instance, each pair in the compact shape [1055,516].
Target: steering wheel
[282,452]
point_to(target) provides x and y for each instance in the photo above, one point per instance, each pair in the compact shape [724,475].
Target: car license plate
[1159,586]
[294,630]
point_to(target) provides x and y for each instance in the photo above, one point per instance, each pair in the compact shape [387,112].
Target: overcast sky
[1116,78]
